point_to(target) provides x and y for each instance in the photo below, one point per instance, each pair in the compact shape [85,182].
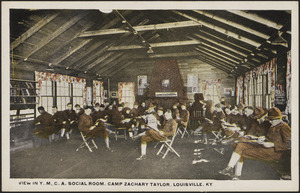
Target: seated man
[153,134]
[44,124]
[72,119]
[278,140]
[184,116]
[215,124]
[98,113]
[78,110]
[60,119]
[259,126]
[91,130]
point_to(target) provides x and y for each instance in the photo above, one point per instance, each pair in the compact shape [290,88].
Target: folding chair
[117,133]
[185,131]
[168,144]
[86,143]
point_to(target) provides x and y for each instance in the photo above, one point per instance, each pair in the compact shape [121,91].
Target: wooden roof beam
[216,57]
[55,34]
[113,72]
[221,30]
[256,18]
[233,24]
[33,30]
[100,67]
[156,45]
[179,24]
[214,64]
[112,65]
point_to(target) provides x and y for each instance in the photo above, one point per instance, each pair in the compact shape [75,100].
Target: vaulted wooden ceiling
[99,44]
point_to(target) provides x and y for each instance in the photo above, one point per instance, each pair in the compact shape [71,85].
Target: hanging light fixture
[106,10]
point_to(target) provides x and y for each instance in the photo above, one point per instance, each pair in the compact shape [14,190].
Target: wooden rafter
[156,45]
[221,30]
[256,18]
[55,34]
[107,62]
[113,72]
[214,64]
[33,30]
[233,24]
[179,24]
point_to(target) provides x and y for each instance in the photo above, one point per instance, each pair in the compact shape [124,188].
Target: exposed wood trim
[217,58]
[214,64]
[112,64]
[95,46]
[100,59]
[221,30]
[119,69]
[183,54]
[108,62]
[140,28]
[155,45]
[33,30]
[59,31]
[67,54]
[256,18]
[216,53]
[233,24]
[226,41]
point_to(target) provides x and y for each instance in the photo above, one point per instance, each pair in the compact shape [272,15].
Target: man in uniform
[142,108]
[153,134]
[278,141]
[78,110]
[72,119]
[60,119]
[91,129]
[44,124]
[98,113]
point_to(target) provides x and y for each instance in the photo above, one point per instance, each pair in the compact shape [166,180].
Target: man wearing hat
[91,130]
[134,111]
[184,116]
[72,120]
[142,108]
[44,124]
[153,134]
[98,113]
[59,118]
[161,118]
[259,125]
[271,148]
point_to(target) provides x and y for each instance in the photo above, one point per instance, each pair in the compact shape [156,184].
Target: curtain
[239,90]
[288,82]
[126,93]
[44,76]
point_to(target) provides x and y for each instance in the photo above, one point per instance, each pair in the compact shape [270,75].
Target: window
[250,92]
[211,89]
[46,95]
[98,92]
[63,95]
[192,83]
[78,92]
[258,91]
[126,93]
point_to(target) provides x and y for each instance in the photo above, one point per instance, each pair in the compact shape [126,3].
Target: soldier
[259,125]
[91,129]
[161,119]
[78,110]
[209,107]
[60,119]
[44,124]
[72,119]
[98,113]
[269,148]
[142,108]
[134,111]
[153,134]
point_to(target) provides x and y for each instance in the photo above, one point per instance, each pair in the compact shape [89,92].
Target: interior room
[172,86]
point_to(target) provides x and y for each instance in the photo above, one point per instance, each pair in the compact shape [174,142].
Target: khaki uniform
[209,109]
[217,124]
[60,120]
[257,129]
[86,122]
[46,126]
[280,135]
[71,117]
[168,130]
[98,115]
[184,117]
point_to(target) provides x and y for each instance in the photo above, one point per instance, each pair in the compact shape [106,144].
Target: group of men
[150,123]
[254,133]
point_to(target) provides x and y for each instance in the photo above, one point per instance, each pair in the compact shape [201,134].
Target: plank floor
[60,159]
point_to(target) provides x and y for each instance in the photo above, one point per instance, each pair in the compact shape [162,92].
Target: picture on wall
[228,91]
[165,84]
[142,81]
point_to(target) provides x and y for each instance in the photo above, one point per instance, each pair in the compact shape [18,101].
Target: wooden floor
[60,159]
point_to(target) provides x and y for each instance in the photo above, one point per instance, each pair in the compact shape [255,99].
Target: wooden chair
[117,133]
[86,143]
[168,146]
